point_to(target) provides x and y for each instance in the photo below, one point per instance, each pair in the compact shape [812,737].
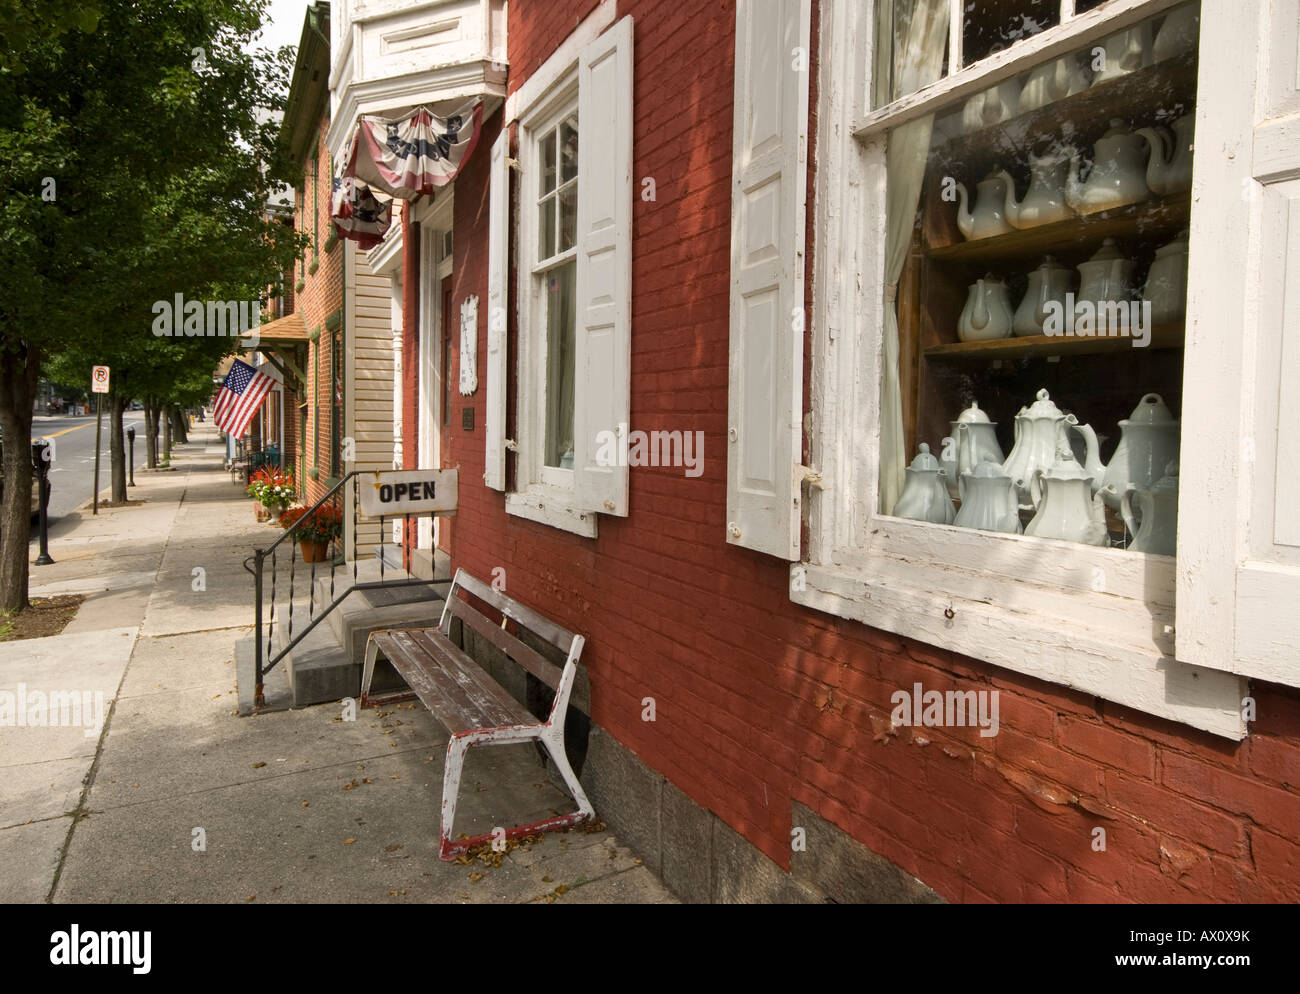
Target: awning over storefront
[404,157]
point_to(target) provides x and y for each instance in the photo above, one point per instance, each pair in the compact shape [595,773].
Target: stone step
[320,670]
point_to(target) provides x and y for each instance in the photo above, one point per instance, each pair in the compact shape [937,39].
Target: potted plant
[314,530]
[273,490]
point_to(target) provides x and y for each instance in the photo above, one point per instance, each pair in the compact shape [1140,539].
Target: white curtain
[920,35]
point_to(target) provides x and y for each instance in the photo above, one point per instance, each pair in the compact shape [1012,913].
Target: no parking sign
[99,379]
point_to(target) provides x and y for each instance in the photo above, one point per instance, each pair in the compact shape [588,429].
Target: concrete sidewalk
[169,796]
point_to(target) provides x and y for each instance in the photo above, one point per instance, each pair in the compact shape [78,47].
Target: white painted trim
[386,257]
[901,576]
[549,506]
[1061,39]
[392,95]
[562,61]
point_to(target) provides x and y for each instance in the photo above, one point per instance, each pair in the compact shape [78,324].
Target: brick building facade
[768,714]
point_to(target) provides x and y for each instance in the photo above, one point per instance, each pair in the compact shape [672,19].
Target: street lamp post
[130,462]
[41,467]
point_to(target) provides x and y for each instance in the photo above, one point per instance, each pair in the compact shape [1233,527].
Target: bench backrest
[558,679]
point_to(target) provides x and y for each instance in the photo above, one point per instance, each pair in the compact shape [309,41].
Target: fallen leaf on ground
[476,877]
[258,766]
[547,880]
[305,804]
[561,890]
[393,848]
[348,842]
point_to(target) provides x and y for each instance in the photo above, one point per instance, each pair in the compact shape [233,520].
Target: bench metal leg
[552,740]
[368,669]
[456,749]
[553,743]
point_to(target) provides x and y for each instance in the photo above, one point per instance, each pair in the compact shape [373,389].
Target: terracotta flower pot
[314,552]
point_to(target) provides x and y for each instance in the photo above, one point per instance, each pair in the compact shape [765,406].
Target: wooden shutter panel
[494,474]
[604,284]
[1239,503]
[768,171]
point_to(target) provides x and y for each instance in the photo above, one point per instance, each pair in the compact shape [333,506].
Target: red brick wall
[320,297]
[760,702]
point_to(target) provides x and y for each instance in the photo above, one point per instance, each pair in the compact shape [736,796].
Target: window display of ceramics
[925,494]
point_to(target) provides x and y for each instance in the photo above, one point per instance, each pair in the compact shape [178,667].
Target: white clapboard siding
[765,382]
[603,342]
[494,429]
[369,420]
[1239,506]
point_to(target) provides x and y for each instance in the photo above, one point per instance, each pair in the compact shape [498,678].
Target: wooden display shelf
[1159,220]
[1133,97]
[1167,336]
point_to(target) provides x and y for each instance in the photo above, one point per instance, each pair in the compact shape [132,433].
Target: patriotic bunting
[404,158]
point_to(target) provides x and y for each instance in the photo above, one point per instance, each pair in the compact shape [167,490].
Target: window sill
[1118,651]
[550,506]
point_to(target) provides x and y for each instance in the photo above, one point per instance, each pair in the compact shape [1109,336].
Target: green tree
[135,163]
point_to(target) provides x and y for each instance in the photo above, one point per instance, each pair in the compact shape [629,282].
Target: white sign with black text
[408,491]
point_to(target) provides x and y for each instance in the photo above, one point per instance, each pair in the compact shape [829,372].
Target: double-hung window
[1051,241]
[571,239]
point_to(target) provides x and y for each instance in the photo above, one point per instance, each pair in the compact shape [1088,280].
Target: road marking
[88,424]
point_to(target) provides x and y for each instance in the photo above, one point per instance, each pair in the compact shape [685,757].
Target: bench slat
[436,692]
[527,617]
[527,657]
[485,703]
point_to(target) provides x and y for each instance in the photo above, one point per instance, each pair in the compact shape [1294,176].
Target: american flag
[240,396]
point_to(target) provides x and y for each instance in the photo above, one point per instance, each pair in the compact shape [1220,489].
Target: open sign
[408,491]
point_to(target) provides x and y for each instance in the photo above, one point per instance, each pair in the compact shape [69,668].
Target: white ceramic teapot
[925,494]
[1041,429]
[1053,81]
[988,500]
[1118,174]
[1169,170]
[1157,529]
[1178,34]
[1106,278]
[987,314]
[1048,284]
[1122,53]
[1045,200]
[985,219]
[974,439]
[992,106]
[1148,443]
[1064,505]
[1166,287]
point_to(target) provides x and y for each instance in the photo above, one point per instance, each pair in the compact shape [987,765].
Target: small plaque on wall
[467,418]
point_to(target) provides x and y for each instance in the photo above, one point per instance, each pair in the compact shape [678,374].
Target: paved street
[169,796]
[72,475]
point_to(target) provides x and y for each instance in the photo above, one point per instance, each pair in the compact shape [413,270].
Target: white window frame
[545,97]
[961,589]
[542,493]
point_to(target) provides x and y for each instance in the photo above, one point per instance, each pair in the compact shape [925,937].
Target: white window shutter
[494,474]
[604,309]
[768,201]
[1239,503]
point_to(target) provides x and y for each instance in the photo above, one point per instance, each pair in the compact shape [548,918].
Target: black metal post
[41,467]
[130,461]
[259,696]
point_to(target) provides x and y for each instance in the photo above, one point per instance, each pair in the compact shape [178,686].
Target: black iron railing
[256,564]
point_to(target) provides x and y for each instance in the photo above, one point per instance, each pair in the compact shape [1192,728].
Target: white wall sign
[408,491]
[469,345]
[99,379]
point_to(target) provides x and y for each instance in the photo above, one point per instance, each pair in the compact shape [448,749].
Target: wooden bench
[472,706]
